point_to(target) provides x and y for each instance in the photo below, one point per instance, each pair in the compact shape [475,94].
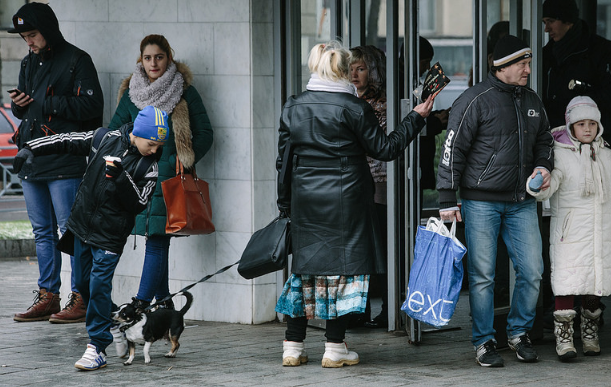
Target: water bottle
[536,182]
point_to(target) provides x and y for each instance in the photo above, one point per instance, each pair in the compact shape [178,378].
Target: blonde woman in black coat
[336,243]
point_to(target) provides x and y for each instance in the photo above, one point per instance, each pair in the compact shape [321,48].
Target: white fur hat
[582,108]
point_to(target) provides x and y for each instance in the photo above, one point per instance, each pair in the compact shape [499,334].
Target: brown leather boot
[73,312]
[45,304]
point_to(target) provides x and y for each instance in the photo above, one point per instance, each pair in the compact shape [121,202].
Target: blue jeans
[49,203]
[518,225]
[94,268]
[154,279]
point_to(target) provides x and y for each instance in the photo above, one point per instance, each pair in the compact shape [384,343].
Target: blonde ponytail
[330,61]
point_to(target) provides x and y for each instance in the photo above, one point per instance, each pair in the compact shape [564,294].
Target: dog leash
[206,278]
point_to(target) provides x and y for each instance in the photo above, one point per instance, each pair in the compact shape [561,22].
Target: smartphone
[14,91]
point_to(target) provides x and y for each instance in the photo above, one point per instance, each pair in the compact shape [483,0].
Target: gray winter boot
[294,353]
[590,322]
[563,330]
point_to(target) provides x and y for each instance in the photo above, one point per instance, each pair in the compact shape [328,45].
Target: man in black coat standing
[58,92]
[497,136]
[576,61]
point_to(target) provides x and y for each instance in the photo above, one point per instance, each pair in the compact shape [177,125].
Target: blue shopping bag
[435,277]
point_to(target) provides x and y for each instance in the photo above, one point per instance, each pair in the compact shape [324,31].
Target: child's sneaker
[91,360]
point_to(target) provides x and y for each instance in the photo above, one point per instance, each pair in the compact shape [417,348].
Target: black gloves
[25,155]
[114,170]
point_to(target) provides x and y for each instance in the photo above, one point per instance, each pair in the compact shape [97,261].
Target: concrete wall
[228,45]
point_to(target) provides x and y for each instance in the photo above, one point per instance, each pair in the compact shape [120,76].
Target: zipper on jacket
[517,104]
[148,213]
[487,169]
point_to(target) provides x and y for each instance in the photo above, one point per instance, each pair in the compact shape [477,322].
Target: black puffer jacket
[104,210]
[67,96]
[588,61]
[497,134]
[333,224]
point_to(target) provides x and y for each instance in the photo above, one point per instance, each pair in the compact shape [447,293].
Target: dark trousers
[382,279]
[94,269]
[296,329]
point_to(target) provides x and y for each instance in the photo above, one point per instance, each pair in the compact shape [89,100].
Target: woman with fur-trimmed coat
[162,82]
[580,247]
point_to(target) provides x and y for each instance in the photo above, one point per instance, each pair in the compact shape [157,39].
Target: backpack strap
[98,136]
[143,165]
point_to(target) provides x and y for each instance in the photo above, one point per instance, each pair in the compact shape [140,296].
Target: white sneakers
[91,360]
[120,341]
[294,354]
[337,355]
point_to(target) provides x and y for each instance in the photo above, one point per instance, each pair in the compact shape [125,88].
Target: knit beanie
[151,124]
[564,10]
[582,108]
[510,50]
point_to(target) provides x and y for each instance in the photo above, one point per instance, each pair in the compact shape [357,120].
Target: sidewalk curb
[10,248]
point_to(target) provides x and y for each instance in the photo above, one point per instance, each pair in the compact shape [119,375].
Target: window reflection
[448,26]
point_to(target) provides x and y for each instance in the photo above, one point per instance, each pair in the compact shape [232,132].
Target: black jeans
[296,329]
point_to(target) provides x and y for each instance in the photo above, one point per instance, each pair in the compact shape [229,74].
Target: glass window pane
[448,26]
[315,28]
[603,22]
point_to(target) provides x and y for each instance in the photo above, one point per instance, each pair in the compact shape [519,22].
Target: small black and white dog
[142,327]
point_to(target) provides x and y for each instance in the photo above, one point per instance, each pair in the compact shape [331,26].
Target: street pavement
[12,207]
[223,354]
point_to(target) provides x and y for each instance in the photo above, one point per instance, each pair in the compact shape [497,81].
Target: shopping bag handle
[436,225]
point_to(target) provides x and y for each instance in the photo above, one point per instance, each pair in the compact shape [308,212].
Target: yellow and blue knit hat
[151,124]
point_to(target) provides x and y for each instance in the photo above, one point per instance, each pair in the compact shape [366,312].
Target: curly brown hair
[375,60]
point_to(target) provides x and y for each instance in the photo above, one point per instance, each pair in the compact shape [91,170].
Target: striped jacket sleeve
[75,143]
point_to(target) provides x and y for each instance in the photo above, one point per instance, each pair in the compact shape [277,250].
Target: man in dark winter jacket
[498,135]
[576,61]
[58,92]
[105,208]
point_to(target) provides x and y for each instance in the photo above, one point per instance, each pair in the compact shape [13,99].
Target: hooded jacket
[497,134]
[580,226]
[190,138]
[66,93]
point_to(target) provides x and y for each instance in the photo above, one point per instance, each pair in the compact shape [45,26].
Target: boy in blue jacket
[106,204]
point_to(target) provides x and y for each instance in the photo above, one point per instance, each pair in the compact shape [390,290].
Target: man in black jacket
[498,135]
[58,92]
[576,61]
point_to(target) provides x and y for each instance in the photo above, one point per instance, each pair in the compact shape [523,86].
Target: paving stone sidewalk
[222,354]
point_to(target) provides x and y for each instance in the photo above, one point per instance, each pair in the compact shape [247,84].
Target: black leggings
[296,329]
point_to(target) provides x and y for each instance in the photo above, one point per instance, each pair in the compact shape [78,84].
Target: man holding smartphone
[58,92]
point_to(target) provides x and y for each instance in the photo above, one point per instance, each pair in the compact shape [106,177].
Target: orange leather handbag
[187,202]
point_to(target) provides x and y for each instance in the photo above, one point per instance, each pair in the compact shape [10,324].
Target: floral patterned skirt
[323,297]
